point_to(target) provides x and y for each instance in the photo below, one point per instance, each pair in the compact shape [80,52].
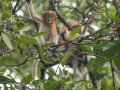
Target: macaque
[47,24]
[77,58]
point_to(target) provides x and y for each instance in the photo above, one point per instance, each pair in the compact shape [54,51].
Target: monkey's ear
[55,16]
[43,15]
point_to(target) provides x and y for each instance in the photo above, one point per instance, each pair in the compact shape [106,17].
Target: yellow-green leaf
[7,41]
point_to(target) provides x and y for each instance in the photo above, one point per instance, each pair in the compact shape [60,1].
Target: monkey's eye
[50,17]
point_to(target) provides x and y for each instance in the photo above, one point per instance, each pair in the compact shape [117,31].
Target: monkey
[47,24]
[77,58]
[47,21]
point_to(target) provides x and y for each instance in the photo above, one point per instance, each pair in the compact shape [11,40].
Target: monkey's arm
[32,12]
[55,35]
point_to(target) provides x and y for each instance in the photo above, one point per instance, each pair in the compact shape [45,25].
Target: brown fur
[77,57]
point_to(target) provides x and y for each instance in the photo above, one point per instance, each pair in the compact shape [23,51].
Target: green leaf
[8,59]
[50,85]
[51,72]
[84,83]
[75,31]
[90,64]
[68,35]
[74,34]
[20,25]
[60,74]
[67,54]
[5,87]
[86,48]
[26,28]
[4,79]
[47,44]
[2,70]
[106,12]
[110,49]
[5,15]
[28,78]
[18,87]
[104,84]
[77,36]
[109,45]
[93,88]
[15,45]
[28,68]
[112,13]
[117,62]
[48,60]
[7,40]
[38,34]
[42,51]
[99,62]
[18,71]
[27,39]
[55,78]
[62,82]
[35,82]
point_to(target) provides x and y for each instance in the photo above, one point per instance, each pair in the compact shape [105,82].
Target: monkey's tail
[34,71]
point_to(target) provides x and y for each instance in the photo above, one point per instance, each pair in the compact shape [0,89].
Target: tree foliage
[18,45]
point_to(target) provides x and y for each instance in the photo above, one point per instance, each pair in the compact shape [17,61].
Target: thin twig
[14,9]
[117,71]
[113,76]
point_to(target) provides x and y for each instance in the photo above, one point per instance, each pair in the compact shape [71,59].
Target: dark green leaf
[20,25]
[110,49]
[109,45]
[4,79]
[18,71]
[117,62]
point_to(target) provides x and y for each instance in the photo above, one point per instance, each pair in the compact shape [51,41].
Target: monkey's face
[49,17]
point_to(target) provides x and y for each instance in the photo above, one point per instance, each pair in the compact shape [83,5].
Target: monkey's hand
[28,1]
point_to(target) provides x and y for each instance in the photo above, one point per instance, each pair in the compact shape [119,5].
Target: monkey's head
[49,17]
